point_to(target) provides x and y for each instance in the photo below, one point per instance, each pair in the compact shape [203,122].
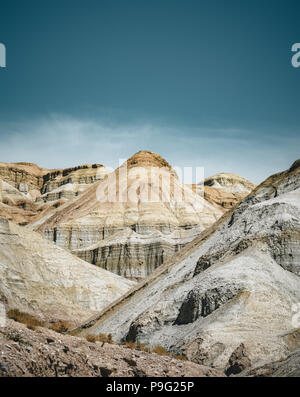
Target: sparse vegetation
[110,339]
[60,327]
[142,347]
[180,357]
[63,327]
[33,322]
[130,345]
[160,350]
[157,349]
[25,318]
[100,338]
[137,346]
[91,338]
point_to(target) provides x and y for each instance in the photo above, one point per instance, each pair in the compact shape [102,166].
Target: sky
[206,83]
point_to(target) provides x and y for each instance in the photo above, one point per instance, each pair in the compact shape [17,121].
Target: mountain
[224,191]
[133,220]
[233,293]
[28,192]
[40,278]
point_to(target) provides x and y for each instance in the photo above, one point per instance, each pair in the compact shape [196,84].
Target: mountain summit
[148,216]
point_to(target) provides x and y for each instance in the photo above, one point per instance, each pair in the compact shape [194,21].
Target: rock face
[290,367]
[238,361]
[70,182]
[224,191]
[229,182]
[38,277]
[236,283]
[134,220]
[47,353]
[130,239]
[28,192]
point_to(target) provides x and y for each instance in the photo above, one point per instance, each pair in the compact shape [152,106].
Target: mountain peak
[145,158]
[295,165]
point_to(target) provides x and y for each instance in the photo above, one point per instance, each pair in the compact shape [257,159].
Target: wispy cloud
[64,141]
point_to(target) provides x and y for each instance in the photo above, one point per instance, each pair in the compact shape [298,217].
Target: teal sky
[202,83]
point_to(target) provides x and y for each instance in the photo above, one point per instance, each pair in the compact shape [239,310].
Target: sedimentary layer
[233,289]
[28,192]
[134,219]
[38,277]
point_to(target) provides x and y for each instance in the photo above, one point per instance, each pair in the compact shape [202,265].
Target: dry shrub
[60,327]
[25,318]
[160,350]
[142,347]
[110,339]
[73,333]
[179,357]
[91,338]
[100,338]
[130,345]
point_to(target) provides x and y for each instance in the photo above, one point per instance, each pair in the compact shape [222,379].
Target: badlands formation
[28,192]
[139,216]
[225,191]
[230,298]
[40,278]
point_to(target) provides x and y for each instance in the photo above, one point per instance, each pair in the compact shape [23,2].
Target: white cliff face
[224,191]
[38,277]
[229,182]
[134,220]
[136,255]
[69,183]
[236,283]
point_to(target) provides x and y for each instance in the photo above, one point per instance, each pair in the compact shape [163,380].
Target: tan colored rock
[149,215]
[38,277]
[30,192]
[224,191]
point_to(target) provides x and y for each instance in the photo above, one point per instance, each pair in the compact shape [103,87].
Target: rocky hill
[44,352]
[28,192]
[228,295]
[149,216]
[40,278]
[128,239]
[226,190]
[290,367]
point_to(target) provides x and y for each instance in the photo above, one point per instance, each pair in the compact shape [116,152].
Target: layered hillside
[224,191]
[40,278]
[28,192]
[133,220]
[231,293]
